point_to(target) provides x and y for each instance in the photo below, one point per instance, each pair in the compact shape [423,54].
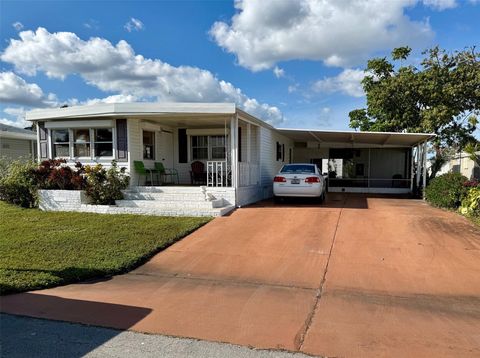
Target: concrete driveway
[356,276]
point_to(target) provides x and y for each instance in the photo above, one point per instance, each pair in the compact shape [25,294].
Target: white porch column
[234,149]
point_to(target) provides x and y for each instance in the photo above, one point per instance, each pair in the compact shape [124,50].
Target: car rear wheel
[277,199]
[321,199]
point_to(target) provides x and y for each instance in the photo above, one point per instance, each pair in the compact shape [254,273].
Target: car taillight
[279,180]
[311,180]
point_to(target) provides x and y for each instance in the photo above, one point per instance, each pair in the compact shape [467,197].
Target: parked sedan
[299,180]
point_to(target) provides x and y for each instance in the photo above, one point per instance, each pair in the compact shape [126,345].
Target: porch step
[190,204]
[167,189]
[172,201]
[182,196]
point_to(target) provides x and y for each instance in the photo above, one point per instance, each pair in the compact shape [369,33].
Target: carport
[364,162]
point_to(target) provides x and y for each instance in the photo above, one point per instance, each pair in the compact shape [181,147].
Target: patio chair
[167,172]
[198,174]
[140,169]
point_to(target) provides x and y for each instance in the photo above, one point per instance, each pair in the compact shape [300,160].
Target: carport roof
[351,137]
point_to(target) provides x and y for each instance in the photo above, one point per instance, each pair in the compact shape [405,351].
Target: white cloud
[118,70]
[15,90]
[339,33]
[117,98]
[92,24]
[347,82]
[17,117]
[134,25]
[293,88]
[279,72]
[17,25]
[440,4]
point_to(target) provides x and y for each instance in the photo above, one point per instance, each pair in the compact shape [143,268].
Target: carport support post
[418,168]
[424,168]
[412,168]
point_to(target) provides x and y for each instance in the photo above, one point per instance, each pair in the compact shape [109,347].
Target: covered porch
[219,152]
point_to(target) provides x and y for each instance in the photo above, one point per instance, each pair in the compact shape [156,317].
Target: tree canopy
[441,96]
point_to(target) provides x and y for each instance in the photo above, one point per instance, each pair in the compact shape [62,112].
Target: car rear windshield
[298,169]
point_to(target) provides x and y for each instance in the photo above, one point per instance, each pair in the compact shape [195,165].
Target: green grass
[44,249]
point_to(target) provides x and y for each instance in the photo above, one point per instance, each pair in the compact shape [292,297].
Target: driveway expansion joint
[227,281]
[301,335]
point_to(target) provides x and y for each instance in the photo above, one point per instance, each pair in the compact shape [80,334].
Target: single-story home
[461,163]
[17,143]
[239,153]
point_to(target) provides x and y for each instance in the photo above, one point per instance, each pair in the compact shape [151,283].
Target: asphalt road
[29,337]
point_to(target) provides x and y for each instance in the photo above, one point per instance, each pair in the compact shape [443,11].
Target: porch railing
[218,173]
[248,173]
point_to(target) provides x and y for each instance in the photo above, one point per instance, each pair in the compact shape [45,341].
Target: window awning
[349,138]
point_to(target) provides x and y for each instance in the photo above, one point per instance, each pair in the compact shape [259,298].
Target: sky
[293,63]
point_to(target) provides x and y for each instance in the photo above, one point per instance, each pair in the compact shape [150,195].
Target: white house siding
[304,155]
[16,148]
[461,164]
[269,166]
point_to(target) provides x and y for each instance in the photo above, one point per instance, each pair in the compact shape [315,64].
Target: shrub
[104,186]
[17,184]
[447,190]
[56,174]
[471,203]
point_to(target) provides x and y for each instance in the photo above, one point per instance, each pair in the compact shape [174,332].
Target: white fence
[218,173]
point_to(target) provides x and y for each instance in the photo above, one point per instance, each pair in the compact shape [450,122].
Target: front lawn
[44,249]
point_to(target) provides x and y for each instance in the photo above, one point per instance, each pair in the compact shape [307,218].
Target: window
[280,152]
[217,144]
[61,143]
[298,169]
[103,142]
[199,147]
[148,145]
[206,147]
[81,142]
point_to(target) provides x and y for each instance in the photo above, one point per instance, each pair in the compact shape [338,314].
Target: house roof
[359,138]
[7,131]
[182,113]
[142,109]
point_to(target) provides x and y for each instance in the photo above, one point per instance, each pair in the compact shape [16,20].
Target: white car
[299,180]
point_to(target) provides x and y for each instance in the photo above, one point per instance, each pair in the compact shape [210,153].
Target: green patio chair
[140,169]
[167,172]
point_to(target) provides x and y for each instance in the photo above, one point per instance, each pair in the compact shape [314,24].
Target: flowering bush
[56,174]
[104,186]
[471,183]
[19,180]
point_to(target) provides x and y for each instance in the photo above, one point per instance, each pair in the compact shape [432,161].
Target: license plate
[295,181]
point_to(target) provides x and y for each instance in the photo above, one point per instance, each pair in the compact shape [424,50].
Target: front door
[166,149]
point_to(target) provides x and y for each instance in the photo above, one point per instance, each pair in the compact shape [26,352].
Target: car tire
[277,199]
[322,197]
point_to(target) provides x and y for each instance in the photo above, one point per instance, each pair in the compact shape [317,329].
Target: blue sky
[293,63]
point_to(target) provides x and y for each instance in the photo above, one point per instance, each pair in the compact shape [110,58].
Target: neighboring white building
[461,163]
[17,143]
[240,152]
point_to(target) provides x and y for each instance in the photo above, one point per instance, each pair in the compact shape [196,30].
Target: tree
[441,97]
[473,151]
